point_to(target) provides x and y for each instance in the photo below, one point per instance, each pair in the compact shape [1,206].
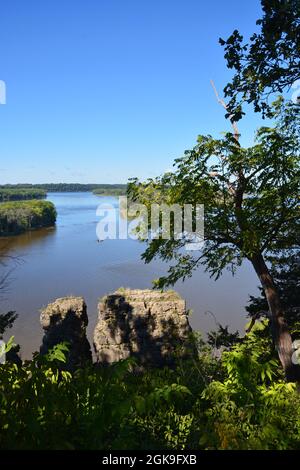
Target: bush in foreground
[239,401]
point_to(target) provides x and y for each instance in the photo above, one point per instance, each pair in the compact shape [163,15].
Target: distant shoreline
[66,187]
[15,192]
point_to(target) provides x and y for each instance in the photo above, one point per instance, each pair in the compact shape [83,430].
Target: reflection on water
[20,243]
[68,260]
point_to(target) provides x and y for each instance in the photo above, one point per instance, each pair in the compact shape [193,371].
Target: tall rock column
[151,326]
[65,320]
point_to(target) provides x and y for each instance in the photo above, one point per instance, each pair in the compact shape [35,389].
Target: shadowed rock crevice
[150,326]
[65,320]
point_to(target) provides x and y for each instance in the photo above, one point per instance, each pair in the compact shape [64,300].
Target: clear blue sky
[101,90]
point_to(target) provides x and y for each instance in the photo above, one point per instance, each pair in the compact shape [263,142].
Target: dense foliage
[239,401]
[269,63]
[250,196]
[21,194]
[17,217]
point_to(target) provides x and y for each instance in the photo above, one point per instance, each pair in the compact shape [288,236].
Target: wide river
[68,260]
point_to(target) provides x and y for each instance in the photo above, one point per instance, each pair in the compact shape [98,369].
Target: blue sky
[101,90]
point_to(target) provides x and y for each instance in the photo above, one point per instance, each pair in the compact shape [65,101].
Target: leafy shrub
[239,401]
[253,407]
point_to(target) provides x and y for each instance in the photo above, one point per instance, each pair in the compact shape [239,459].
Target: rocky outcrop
[65,320]
[151,326]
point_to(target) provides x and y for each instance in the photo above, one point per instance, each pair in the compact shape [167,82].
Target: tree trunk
[280,332]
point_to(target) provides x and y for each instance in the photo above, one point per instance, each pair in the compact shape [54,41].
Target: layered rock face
[151,326]
[66,320]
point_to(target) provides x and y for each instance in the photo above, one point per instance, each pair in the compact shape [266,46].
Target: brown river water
[68,260]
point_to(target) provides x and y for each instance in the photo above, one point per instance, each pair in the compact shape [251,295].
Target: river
[68,260]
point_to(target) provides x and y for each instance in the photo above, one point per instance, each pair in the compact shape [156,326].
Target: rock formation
[65,320]
[151,326]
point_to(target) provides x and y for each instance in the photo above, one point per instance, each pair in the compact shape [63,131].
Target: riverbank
[21,216]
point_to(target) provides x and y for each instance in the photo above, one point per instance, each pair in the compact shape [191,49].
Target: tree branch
[231,117]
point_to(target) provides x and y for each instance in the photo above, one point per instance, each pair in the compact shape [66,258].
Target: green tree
[269,63]
[251,200]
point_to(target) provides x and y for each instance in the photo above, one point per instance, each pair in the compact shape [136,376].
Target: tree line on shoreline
[20,216]
[36,190]
[20,194]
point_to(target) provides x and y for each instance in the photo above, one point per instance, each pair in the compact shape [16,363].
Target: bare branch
[231,118]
